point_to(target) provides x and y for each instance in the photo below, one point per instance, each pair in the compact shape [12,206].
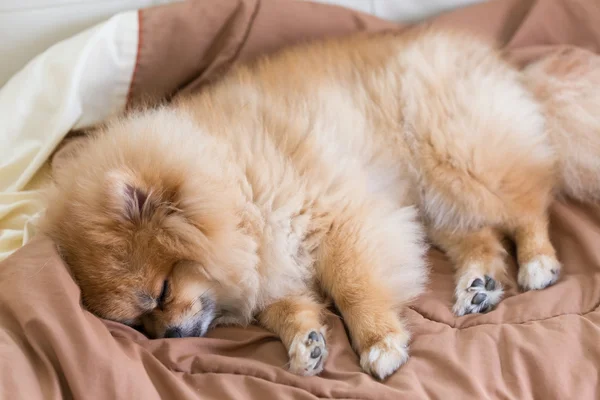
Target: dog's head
[153,227]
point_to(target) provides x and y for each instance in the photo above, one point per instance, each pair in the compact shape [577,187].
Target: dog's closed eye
[163,294]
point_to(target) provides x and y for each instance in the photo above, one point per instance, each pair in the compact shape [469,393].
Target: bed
[535,345]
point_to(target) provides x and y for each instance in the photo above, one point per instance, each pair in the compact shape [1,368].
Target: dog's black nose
[173,333]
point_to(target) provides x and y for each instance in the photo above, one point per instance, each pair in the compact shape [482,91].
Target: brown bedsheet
[542,345]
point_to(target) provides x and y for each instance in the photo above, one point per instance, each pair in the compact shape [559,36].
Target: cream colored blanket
[74,84]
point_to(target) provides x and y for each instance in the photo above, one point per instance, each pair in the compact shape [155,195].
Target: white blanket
[74,84]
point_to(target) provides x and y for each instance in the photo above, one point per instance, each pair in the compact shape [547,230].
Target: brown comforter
[543,345]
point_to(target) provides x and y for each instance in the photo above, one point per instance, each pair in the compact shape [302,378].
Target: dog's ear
[128,199]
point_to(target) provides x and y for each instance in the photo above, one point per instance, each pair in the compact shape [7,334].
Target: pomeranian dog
[304,178]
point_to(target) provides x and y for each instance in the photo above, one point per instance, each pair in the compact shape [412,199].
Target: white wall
[403,10]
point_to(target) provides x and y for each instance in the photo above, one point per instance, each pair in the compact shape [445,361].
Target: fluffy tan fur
[567,83]
[299,178]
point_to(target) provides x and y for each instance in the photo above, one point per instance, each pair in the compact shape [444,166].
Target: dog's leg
[348,265]
[297,321]
[479,259]
[538,266]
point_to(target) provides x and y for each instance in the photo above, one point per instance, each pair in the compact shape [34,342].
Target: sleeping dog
[311,176]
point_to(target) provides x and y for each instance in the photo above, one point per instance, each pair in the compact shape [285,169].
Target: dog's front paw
[308,353]
[538,273]
[476,294]
[387,355]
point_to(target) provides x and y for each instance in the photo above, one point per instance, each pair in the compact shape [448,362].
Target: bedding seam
[584,315]
[270,381]
[226,65]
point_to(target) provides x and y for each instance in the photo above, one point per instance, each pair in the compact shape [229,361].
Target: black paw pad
[314,336]
[316,352]
[477,283]
[478,298]
[490,283]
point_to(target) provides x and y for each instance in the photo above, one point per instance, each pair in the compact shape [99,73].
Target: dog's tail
[568,84]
